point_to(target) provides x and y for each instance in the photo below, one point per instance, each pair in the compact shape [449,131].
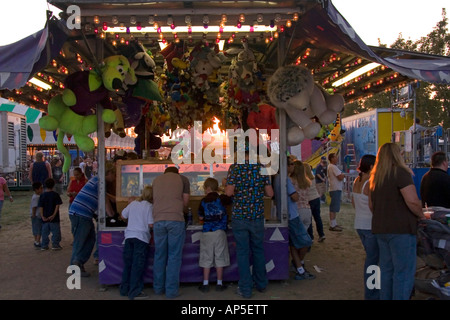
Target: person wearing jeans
[169,239]
[396,212]
[170,197]
[397,265]
[248,186]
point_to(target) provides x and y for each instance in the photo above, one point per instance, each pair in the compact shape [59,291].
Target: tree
[433,100]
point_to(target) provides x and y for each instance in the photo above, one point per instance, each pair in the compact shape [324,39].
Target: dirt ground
[30,274]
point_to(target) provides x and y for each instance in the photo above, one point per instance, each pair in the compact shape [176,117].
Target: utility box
[13,142]
[370,130]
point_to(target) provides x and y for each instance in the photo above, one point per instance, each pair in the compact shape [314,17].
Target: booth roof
[321,39]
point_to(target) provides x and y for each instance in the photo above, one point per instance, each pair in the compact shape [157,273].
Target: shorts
[335,204]
[298,236]
[214,249]
[36,226]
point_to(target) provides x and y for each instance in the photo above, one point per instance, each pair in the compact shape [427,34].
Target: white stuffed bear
[292,88]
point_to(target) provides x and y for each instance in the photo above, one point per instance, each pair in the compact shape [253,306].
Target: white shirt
[333,171]
[139,215]
[34,204]
[363,215]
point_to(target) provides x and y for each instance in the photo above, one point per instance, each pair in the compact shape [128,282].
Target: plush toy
[292,88]
[62,118]
[205,63]
[265,118]
[73,112]
[117,126]
[244,78]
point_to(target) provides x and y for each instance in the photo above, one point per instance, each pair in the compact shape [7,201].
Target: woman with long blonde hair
[396,210]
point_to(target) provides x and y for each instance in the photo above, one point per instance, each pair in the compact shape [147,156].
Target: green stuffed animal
[73,112]
[60,117]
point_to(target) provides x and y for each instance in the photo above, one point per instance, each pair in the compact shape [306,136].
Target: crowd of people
[386,202]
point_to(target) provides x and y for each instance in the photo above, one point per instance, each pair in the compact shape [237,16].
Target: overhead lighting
[221,44]
[198,29]
[356,74]
[40,83]
[162,44]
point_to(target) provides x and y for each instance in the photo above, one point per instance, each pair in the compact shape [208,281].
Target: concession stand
[167,45]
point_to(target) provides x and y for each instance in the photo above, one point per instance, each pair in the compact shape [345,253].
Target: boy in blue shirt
[213,242]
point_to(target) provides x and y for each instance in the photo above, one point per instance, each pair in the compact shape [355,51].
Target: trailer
[13,143]
[366,132]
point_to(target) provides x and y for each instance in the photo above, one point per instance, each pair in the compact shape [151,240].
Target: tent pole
[101,152]
[283,137]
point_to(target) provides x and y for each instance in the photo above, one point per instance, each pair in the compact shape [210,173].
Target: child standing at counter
[213,242]
[139,214]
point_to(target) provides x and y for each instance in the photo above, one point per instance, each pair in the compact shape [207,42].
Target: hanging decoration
[245,79]
[73,112]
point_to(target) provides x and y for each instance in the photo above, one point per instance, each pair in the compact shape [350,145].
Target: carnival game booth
[163,50]
[132,175]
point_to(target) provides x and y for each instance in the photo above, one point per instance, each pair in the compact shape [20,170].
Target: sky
[371,20]
[385,19]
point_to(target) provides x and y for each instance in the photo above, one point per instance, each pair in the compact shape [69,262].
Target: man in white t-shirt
[335,179]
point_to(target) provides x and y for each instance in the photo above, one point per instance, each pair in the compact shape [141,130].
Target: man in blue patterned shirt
[83,210]
[248,186]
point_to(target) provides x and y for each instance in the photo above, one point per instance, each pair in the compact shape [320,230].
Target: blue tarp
[20,60]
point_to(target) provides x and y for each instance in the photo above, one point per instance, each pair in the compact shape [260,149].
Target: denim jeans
[370,244]
[54,228]
[135,261]
[397,265]
[315,212]
[169,241]
[83,239]
[249,237]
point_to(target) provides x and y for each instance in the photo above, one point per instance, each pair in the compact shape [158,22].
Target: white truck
[13,142]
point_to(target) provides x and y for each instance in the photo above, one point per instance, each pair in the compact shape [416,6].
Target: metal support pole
[101,160]
[283,139]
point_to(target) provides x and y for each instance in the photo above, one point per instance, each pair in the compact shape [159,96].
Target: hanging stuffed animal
[292,88]
[264,118]
[73,113]
[244,78]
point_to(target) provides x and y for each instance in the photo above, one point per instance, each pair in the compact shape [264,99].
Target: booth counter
[133,175]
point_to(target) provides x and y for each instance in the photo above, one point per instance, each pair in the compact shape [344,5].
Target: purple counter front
[276,245]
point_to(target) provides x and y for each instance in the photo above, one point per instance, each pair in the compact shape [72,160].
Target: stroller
[433,252]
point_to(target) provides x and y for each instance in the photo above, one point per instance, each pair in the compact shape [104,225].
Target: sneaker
[204,288]
[221,287]
[44,248]
[337,228]
[239,293]
[141,296]
[322,238]
[37,245]
[304,276]
[57,247]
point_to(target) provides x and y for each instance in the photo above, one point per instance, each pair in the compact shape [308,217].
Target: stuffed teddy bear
[292,88]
